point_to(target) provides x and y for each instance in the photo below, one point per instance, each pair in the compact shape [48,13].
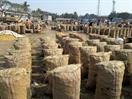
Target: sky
[80,6]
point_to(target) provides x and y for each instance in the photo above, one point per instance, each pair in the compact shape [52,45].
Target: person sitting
[38,28]
[120,40]
[90,24]
[28,24]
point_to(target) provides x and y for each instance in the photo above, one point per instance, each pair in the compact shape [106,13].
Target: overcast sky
[81,6]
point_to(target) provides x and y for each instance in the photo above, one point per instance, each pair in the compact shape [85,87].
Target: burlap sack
[66,82]
[22,29]
[22,43]
[94,59]
[111,41]
[66,44]
[74,52]
[14,84]
[84,43]
[2,62]
[50,45]
[121,54]
[51,62]
[85,59]
[109,80]
[19,58]
[45,39]
[125,56]
[93,36]
[112,48]
[69,40]
[77,36]
[100,46]
[103,38]
[128,46]
[93,42]
[52,52]
[129,67]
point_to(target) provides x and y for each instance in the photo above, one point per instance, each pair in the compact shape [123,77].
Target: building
[65,20]
[15,13]
[47,17]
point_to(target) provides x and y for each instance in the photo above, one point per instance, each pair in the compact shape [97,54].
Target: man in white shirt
[120,40]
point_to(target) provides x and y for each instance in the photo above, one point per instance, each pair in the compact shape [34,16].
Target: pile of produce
[7,37]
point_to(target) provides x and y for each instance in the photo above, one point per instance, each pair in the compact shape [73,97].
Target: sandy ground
[35,36]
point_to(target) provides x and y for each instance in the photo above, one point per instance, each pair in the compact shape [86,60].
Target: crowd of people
[28,25]
[31,26]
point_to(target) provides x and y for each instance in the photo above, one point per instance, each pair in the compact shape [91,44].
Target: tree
[4,4]
[112,15]
[16,7]
[37,13]
[25,6]
[69,15]
[123,15]
[75,15]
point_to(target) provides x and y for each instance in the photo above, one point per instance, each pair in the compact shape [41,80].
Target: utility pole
[98,8]
[113,7]
[98,19]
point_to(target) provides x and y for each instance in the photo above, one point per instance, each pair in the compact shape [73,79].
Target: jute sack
[76,35]
[111,41]
[84,43]
[46,39]
[93,36]
[92,73]
[128,46]
[22,43]
[22,29]
[69,40]
[14,84]
[100,46]
[121,54]
[93,42]
[50,45]
[129,63]
[66,44]
[112,48]
[74,52]
[86,51]
[2,62]
[52,52]
[125,56]
[19,58]
[103,38]
[109,80]
[66,82]
[52,62]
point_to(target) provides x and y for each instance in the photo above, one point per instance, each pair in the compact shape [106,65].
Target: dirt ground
[35,36]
